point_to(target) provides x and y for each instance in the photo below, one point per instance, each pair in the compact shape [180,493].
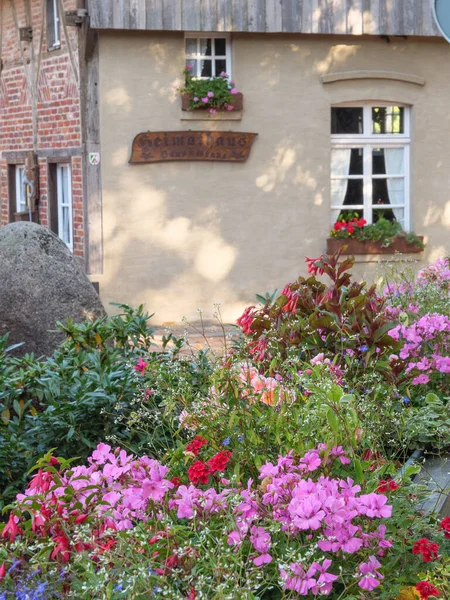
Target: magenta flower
[260,539]
[210,94]
[422,379]
[223,74]
[205,100]
[212,111]
[234,91]
[196,99]
[371,577]
[306,513]
[325,581]
[140,366]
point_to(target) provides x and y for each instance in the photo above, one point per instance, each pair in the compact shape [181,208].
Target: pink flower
[234,539]
[234,91]
[300,581]
[230,107]
[318,359]
[306,512]
[212,111]
[422,379]
[223,74]
[210,94]
[189,67]
[325,580]
[205,100]
[141,365]
[311,460]
[260,539]
[263,559]
[371,577]
[196,99]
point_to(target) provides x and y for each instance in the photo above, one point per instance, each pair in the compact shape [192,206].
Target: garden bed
[237,103]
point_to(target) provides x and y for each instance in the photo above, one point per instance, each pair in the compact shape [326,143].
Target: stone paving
[200,335]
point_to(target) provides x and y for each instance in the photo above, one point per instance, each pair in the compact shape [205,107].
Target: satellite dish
[441,10]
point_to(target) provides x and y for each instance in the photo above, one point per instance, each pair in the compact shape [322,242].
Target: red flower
[198,473]
[388,485]
[350,229]
[339,225]
[192,594]
[427,549]
[2,571]
[361,222]
[246,319]
[312,269]
[426,590]
[140,367]
[291,304]
[219,461]
[11,529]
[445,527]
[258,349]
[196,444]
[176,481]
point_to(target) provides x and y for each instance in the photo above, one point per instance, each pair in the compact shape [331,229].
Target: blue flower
[226,442]
[13,566]
[406,400]
[240,438]
[364,348]
[119,587]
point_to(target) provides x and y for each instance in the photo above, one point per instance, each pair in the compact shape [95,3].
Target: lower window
[60,196]
[370,163]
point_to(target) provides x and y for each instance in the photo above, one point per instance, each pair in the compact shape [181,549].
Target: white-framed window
[370,158]
[208,54]
[53,25]
[64,199]
[21,192]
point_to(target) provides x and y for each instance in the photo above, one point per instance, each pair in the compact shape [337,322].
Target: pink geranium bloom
[141,365]
[234,91]
[263,559]
[205,100]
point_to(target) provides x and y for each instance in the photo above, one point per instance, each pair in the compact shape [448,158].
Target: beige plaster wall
[183,236]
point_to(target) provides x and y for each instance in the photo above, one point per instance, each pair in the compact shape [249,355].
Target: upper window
[53,34]
[21,190]
[370,162]
[208,56]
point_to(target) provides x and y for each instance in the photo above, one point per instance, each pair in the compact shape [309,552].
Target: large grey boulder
[41,282]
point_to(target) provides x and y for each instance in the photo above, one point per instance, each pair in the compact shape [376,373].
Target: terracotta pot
[238,103]
[399,244]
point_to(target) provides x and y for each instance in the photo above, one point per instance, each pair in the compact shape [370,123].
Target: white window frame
[61,204]
[21,195]
[198,57]
[56,22]
[368,141]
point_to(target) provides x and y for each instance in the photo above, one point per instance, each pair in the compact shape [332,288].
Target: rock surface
[41,282]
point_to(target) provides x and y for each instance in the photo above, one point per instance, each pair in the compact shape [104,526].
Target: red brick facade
[48,86]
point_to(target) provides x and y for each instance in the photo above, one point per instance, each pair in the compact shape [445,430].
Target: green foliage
[220,87]
[427,424]
[78,396]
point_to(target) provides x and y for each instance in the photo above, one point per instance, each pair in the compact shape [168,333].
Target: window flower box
[237,103]
[399,244]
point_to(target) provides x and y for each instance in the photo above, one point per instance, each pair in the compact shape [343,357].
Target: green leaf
[333,420]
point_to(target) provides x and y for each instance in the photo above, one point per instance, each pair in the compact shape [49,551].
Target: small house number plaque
[221,146]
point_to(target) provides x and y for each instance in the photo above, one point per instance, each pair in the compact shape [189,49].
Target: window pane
[65,234]
[221,66]
[206,68]
[356,161]
[391,214]
[191,46]
[193,64]
[388,191]
[205,46]
[347,120]
[220,46]
[346,192]
[388,119]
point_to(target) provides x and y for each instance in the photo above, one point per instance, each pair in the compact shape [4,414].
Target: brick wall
[57,106]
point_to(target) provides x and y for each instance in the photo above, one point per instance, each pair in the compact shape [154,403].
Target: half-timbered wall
[40,105]
[356,17]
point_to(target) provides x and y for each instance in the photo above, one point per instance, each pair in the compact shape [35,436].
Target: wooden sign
[221,146]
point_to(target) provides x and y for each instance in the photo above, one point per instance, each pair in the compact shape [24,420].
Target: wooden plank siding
[334,17]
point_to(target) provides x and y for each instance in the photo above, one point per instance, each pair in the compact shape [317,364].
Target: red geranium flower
[339,225]
[219,461]
[445,527]
[198,473]
[427,549]
[361,222]
[196,445]
[2,571]
[192,594]
[176,481]
[387,485]
[426,590]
